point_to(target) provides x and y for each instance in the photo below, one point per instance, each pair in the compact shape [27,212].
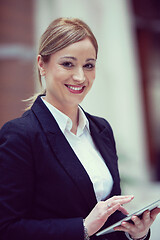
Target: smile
[75,89]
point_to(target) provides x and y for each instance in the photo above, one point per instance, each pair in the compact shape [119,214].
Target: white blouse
[86,151]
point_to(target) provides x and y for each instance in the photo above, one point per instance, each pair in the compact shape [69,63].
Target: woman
[58,164]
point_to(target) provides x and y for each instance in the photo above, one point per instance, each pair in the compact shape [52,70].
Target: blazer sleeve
[17,191]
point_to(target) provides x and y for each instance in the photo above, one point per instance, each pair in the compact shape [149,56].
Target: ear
[41,65]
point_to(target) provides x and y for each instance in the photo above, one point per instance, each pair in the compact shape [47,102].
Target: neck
[73,114]
[71,111]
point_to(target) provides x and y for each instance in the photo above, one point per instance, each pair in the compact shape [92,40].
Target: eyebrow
[73,58]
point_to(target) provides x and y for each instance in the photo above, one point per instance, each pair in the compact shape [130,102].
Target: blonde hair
[61,33]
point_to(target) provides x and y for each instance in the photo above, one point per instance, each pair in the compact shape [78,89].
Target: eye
[89,66]
[67,64]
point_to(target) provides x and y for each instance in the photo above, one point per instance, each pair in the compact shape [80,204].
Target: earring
[42,72]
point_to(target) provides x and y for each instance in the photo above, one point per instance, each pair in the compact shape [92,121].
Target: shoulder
[100,122]
[101,126]
[18,123]
[28,120]
[18,140]
[15,144]
[18,128]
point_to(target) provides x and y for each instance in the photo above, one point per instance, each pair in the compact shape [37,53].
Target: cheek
[91,77]
[56,76]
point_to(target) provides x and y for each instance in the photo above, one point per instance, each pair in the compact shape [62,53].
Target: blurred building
[146,16]
[16,56]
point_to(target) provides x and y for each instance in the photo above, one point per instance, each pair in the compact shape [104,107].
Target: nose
[79,75]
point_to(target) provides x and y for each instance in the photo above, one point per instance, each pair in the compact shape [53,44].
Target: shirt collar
[64,122]
[83,122]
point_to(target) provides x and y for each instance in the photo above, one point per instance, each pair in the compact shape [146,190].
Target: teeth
[75,88]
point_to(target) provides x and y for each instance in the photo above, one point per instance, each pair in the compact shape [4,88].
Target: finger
[123,210]
[125,226]
[146,217]
[120,228]
[154,213]
[123,201]
[120,200]
[109,204]
[121,197]
[112,209]
[137,222]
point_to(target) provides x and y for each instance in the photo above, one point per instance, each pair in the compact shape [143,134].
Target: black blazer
[45,191]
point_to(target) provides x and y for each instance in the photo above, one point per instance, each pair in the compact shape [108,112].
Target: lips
[75,89]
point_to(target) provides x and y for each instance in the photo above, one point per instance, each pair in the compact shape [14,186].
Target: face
[69,74]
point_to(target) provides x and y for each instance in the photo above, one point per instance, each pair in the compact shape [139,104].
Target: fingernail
[131,196]
[123,224]
[116,229]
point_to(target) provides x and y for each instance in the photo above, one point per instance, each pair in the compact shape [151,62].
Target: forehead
[81,49]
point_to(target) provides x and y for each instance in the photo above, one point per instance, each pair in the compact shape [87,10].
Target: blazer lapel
[72,166]
[104,144]
[64,153]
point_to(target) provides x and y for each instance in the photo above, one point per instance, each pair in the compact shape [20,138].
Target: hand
[140,227]
[103,209]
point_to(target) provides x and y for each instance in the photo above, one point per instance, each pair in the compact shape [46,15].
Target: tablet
[137,213]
